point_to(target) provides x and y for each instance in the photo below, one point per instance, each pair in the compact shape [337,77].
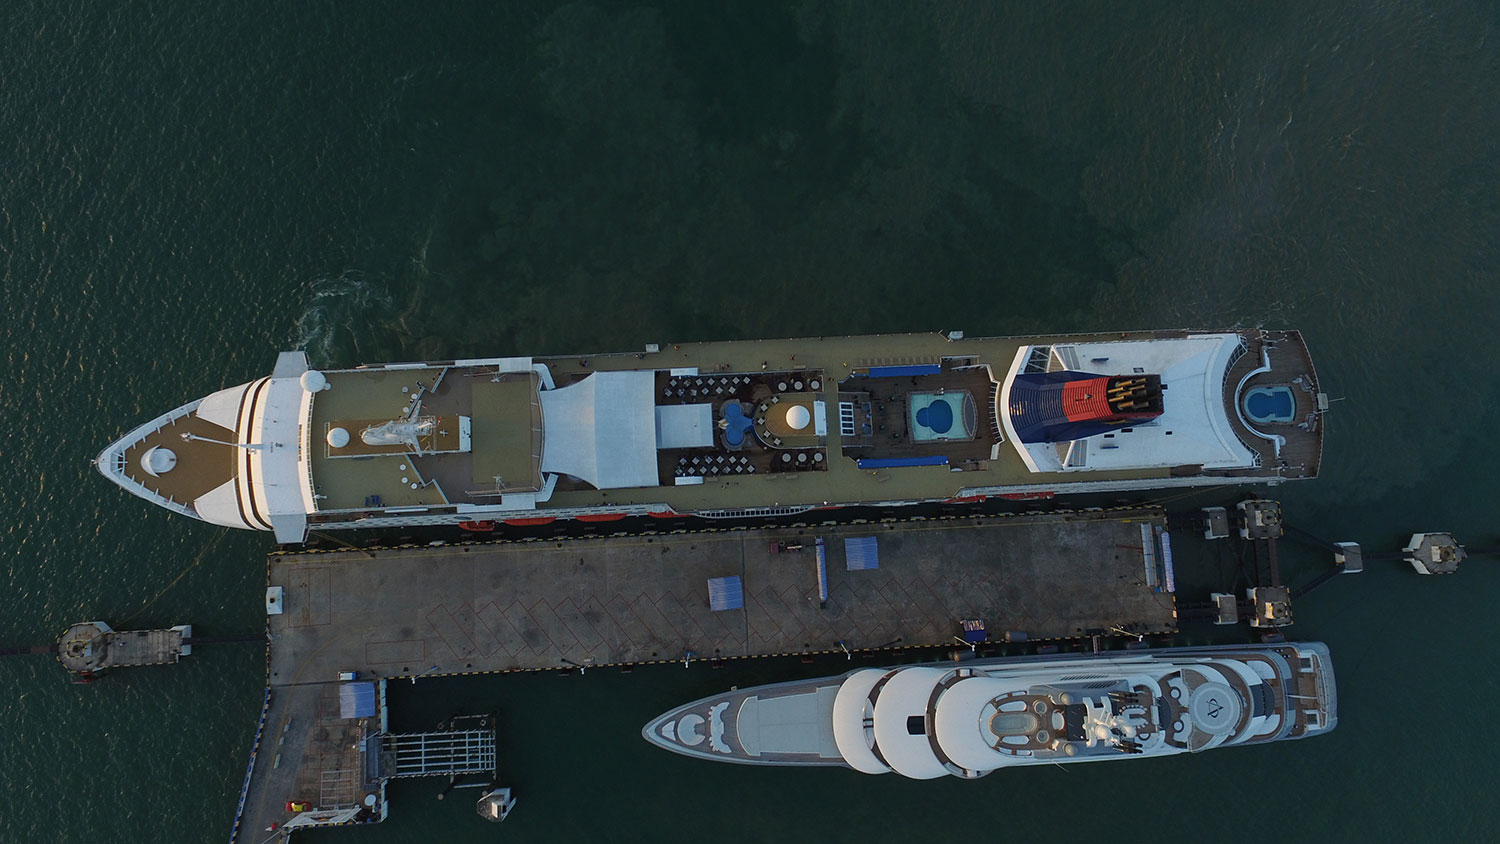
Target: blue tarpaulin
[822,549]
[891,462]
[725,593]
[898,371]
[357,700]
[861,553]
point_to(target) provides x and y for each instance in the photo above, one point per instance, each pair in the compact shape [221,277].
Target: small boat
[478,527]
[495,804]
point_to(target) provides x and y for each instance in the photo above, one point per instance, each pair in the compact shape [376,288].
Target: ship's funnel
[1070,405]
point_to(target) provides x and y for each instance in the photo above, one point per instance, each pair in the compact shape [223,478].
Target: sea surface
[188,188]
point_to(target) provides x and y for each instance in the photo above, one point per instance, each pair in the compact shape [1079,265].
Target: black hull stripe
[251,515]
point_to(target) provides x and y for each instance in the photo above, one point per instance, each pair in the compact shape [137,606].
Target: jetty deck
[540,605]
[598,601]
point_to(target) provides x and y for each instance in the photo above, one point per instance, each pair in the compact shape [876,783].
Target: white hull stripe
[249,405]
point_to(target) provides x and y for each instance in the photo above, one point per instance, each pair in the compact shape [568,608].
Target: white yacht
[968,719]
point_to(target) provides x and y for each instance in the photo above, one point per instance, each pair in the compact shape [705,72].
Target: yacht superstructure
[969,719]
[731,429]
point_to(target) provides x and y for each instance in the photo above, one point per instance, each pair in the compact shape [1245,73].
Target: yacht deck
[201,466]
[1301,451]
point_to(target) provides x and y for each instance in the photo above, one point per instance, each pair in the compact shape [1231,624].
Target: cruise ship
[731,429]
[968,719]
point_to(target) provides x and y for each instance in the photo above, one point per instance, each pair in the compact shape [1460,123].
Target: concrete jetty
[503,606]
[520,606]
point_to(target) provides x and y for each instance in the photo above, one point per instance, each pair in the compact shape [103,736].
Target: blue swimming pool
[1270,404]
[738,424]
[942,416]
[938,416]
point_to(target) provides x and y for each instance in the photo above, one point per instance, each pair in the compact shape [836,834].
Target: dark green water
[189,188]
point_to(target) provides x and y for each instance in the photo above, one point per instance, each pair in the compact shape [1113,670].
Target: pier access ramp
[448,753]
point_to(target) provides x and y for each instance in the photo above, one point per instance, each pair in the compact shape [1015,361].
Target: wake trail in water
[340,312]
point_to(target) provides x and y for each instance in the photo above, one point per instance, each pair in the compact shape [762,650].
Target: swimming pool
[737,424]
[941,416]
[1270,404]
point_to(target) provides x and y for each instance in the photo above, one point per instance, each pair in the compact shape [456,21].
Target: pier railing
[239,811]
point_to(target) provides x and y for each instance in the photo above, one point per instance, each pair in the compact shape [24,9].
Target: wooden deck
[889,417]
[505,417]
[1291,366]
[507,432]
[201,466]
[771,447]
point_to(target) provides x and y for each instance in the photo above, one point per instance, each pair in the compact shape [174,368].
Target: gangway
[448,753]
